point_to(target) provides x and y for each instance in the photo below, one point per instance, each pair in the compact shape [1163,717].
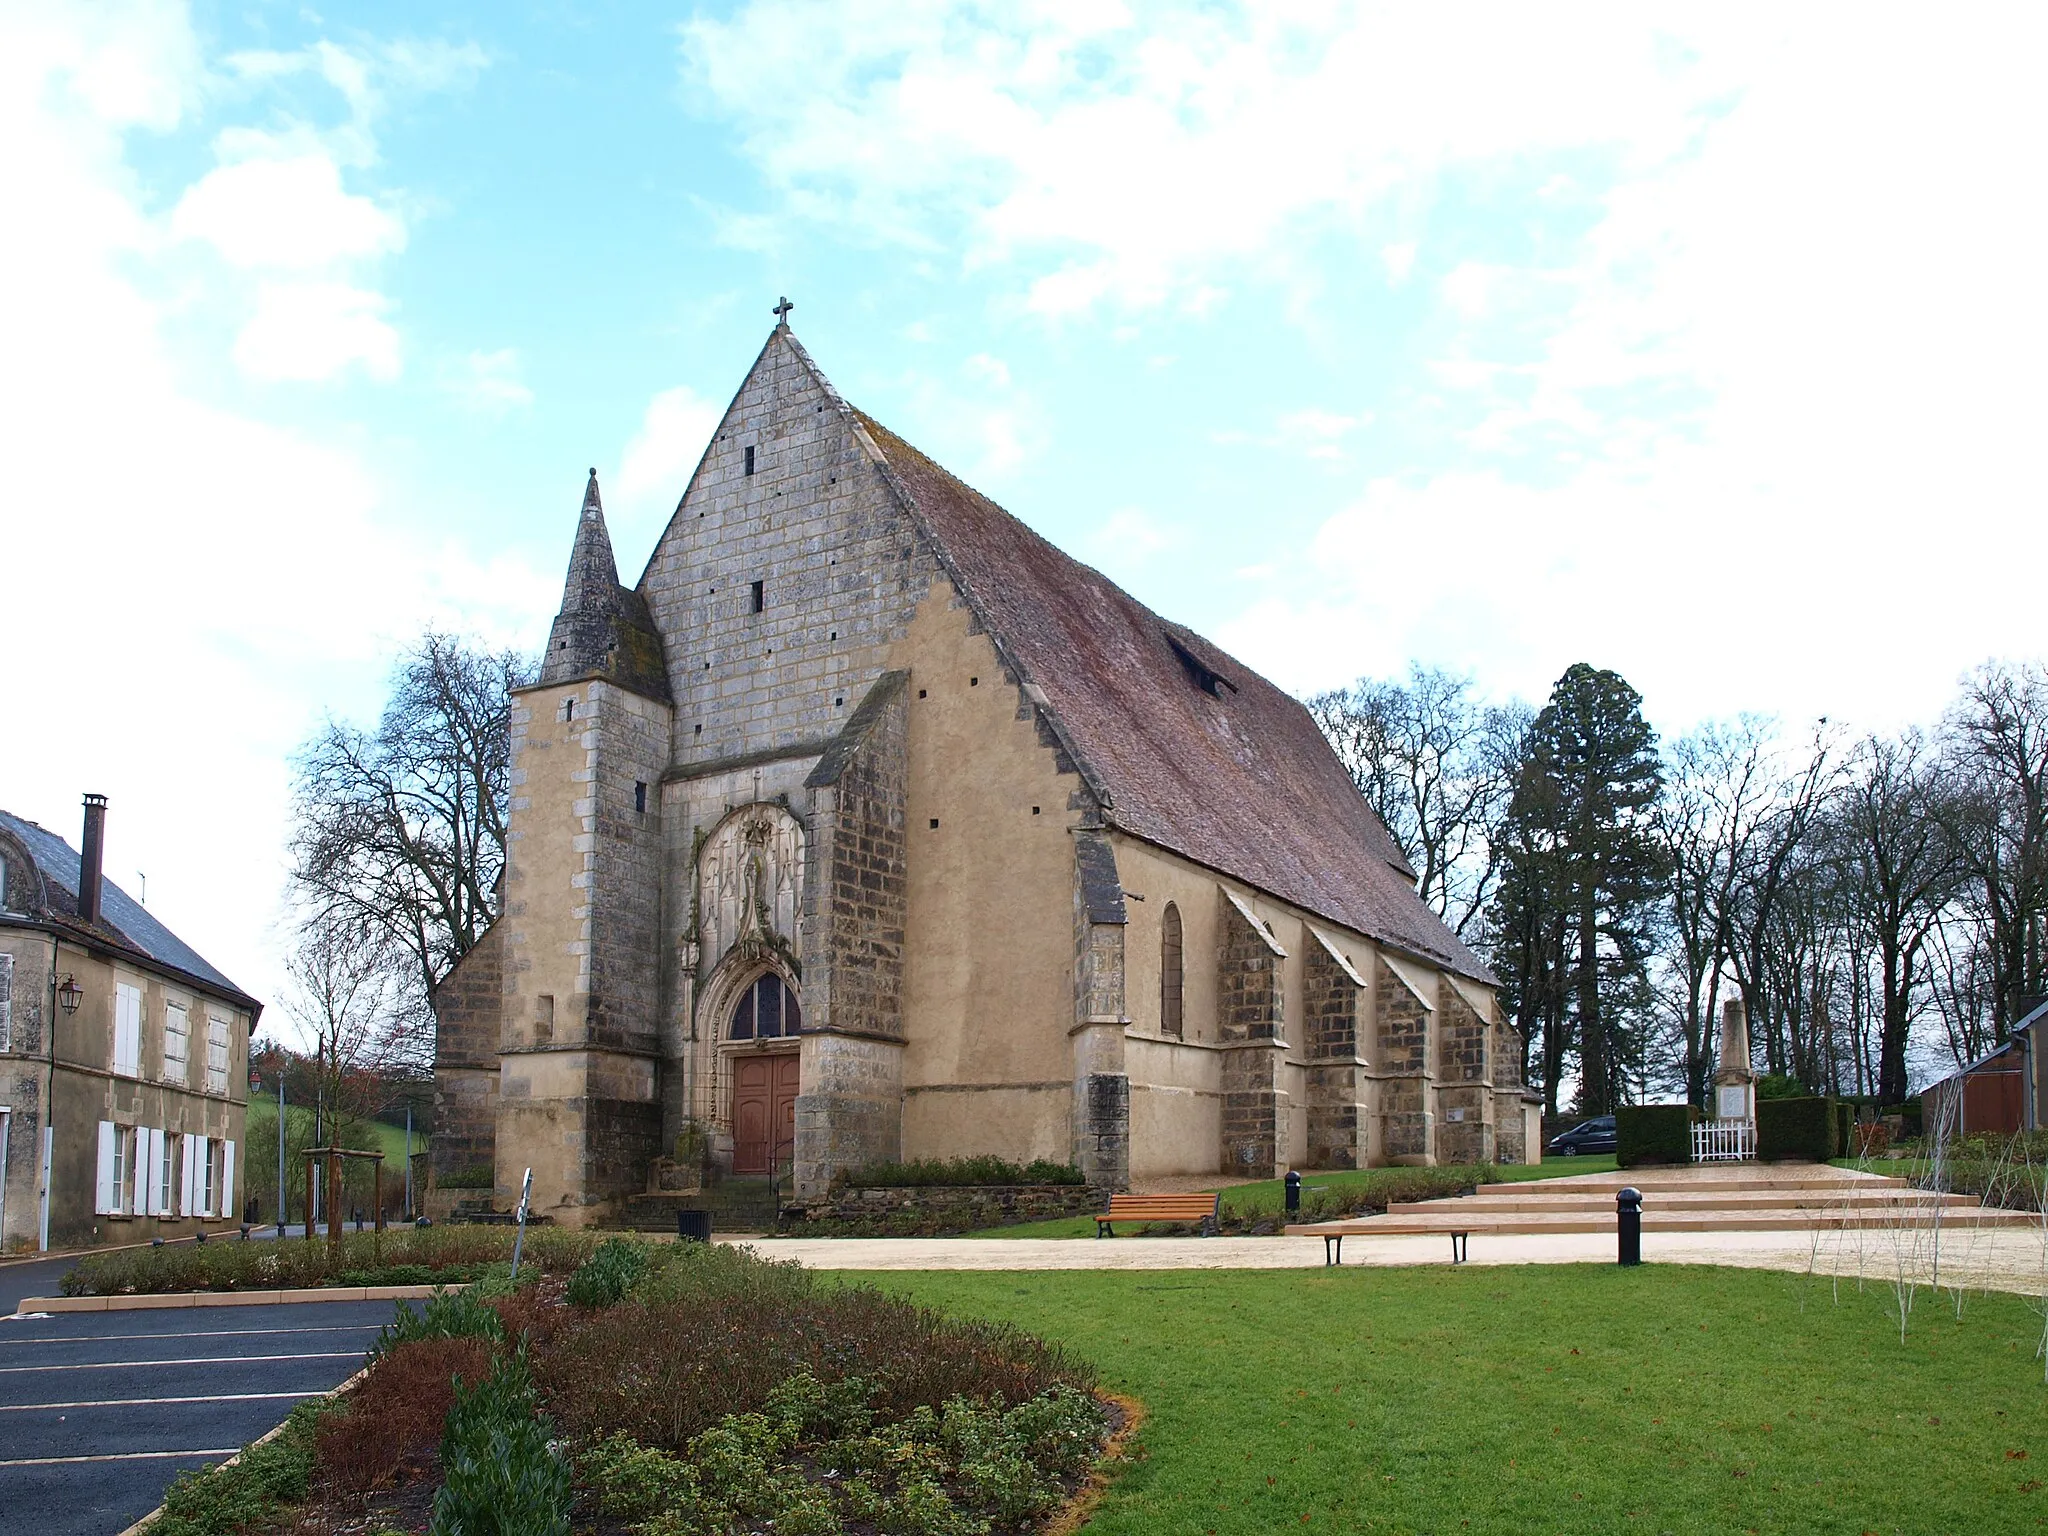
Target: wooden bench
[1333,1243]
[1198,1208]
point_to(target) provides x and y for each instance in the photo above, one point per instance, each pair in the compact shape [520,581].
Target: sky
[1704,343]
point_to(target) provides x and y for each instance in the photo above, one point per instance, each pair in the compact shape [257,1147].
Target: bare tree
[1438,767]
[400,831]
[1997,751]
[1716,794]
[1901,869]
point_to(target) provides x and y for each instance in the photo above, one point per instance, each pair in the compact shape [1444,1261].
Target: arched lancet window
[767,1010]
[1170,972]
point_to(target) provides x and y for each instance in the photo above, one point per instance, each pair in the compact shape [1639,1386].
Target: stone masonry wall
[1337,1126]
[1464,1086]
[841,567]
[468,1007]
[978,1205]
[1249,1009]
[1402,1027]
[854,972]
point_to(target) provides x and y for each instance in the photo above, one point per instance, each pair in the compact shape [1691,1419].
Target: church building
[869,826]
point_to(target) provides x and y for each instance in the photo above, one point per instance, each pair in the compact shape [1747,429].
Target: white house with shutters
[124,1057]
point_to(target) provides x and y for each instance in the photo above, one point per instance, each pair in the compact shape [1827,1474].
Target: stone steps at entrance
[1705,1199]
[735,1204]
[1537,1224]
[1696,1202]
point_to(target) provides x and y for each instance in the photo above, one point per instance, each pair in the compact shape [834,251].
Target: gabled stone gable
[842,568]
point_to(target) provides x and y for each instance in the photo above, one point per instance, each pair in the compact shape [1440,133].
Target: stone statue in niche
[750,885]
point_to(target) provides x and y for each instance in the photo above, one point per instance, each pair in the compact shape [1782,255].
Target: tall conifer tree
[1586,869]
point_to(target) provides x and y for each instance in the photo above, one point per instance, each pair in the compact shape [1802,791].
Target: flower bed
[402,1256]
[680,1390]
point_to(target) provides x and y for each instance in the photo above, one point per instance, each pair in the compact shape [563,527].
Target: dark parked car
[1594,1135]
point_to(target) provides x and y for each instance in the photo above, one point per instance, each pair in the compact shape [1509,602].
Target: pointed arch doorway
[766,1074]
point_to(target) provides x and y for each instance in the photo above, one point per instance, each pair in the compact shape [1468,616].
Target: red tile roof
[1238,779]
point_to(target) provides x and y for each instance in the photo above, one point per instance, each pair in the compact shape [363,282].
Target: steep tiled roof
[604,629]
[1187,747]
[124,922]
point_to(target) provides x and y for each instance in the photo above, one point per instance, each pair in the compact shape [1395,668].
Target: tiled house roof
[1185,746]
[125,924]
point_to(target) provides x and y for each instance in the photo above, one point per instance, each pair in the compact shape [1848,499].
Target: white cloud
[289,213]
[213,574]
[313,331]
[659,460]
[1132,162]
[1130,537]
[1312,432]
[489,382]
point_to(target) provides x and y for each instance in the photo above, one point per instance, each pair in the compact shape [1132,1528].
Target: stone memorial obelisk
[1734,1082]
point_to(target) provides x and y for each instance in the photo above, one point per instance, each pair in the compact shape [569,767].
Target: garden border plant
[519,1408]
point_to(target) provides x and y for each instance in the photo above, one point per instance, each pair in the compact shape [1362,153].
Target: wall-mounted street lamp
[69,994]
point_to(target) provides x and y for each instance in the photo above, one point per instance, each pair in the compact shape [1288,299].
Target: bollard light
[1628,1224]
[1293,1191]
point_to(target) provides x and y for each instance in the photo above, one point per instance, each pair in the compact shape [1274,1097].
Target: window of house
[127,1030]
[750,458]
[215,1201]
[767,1010]
[216,1054]
[116,1170]
[167,1174]
[1172,974]
[177,1043]
[6,1000]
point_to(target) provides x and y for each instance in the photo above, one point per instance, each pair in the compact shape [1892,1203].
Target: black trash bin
[694,1226]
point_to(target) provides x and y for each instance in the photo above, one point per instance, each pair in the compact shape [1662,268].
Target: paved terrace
[2010,1257]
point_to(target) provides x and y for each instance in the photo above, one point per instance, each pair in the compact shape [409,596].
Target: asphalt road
[100,1411]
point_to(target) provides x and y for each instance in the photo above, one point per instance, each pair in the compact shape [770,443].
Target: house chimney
[92,858]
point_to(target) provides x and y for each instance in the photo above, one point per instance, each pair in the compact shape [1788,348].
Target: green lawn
[1272,1192]
[1572,1399]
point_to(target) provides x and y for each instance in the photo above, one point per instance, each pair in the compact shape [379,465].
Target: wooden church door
[763,1110]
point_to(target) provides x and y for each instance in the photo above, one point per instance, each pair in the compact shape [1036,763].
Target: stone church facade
[871,826]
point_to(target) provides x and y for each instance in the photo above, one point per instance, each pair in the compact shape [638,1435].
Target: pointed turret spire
[603,630]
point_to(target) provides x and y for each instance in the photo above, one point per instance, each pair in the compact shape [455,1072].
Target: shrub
[396,1415]
[604,1278]
[1795,1130]
[244,1495]
[501,1477]
[464,1314]
[713,1332]
[1776,1085]
[1872,1140]
[1652,1133]
[476,1176]
[953,1172]
[427,1255]
[947,1470]
[1845,1128]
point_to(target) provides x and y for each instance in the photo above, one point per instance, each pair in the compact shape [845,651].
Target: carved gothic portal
[750,889]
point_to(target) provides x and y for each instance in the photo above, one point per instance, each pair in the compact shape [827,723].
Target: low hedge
[958,1171]
[1652,1133]
[1845,1128]
[1795,1130]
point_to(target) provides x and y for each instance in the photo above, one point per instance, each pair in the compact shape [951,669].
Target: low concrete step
[1702,1179]
[1537,1224]
[1694,1202]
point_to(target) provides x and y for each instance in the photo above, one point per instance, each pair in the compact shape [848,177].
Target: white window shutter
[227,1179]
[160,1197]
[188,1203]
[138,1148]
[103,1197]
